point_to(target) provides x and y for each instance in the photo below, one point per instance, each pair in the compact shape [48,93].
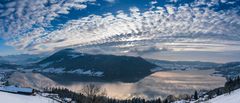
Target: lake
[158,84]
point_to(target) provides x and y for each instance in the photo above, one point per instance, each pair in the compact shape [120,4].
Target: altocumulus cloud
[146,50]
[190,26]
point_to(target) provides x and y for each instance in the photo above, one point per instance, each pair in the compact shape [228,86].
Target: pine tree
[6,83]
[218,92]
[159,100]
[195,95]
[165,101]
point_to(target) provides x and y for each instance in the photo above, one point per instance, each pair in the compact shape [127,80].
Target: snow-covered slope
[17,98]
[233,97]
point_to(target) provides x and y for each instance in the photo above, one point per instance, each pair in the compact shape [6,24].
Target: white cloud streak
[177,28]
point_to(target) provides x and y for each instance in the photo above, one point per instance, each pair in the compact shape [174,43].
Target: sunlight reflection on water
[162,84]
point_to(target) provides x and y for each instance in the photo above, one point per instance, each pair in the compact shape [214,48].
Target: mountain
[4,64]
[21,59]
[231,69]
[183,65]
[108,67]
[9,66]
[2,60]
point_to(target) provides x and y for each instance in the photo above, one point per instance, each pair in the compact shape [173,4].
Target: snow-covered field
[17,98]
[233,97]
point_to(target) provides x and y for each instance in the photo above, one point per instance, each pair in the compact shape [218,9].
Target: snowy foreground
[233,97]
[18,98]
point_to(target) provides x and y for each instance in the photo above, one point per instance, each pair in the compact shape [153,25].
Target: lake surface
[158,84]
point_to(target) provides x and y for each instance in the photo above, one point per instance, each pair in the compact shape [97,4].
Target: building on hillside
[17,90]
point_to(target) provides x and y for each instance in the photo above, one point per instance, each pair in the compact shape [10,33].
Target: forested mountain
[104,66]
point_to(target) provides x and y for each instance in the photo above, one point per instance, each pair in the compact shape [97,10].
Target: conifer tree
[195,95]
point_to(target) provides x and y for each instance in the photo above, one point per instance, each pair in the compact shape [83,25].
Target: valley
[121,77]
[119,51]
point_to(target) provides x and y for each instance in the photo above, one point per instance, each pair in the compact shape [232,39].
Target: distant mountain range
[231,69]
[21,59]
[107,67]
[183,65]
[9,66]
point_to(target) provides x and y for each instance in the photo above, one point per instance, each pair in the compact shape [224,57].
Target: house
[17,90]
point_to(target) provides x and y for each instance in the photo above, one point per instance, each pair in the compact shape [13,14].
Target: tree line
[231,85]
[94,94]
[91,93]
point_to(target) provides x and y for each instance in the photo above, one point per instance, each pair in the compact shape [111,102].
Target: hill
[231,69]
[183,65]
[108,67]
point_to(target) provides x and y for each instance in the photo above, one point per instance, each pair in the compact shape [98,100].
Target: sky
[194,30]
[7,50]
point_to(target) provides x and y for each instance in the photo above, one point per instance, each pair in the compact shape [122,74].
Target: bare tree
[94,93]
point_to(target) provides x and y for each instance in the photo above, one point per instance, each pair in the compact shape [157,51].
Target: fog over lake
[158,84]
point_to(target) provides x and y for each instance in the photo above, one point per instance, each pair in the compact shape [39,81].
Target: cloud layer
[194,26]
